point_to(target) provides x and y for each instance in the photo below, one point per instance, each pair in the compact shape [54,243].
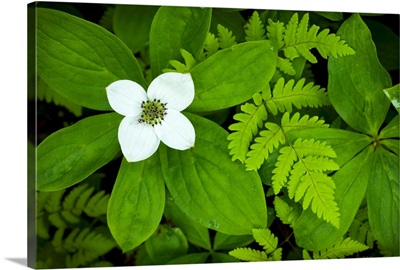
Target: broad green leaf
[210,188]
[219,257]
[383,201]
[71,154]
[356,81]
[176,28]
[351,182]
[393,145]
[346,144]
[190,258]
[393,94]
[166,244]
[232,76]
[78,59]
[391,130]
[333,16]
[228,242]
[194,231]
[131,23]
[137,202]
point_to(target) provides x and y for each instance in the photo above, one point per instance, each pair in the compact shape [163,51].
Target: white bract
[153,116]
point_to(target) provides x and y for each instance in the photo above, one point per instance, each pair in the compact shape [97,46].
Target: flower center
[153,112]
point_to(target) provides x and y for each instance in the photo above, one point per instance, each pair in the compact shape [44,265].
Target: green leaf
[266,239]
[131,23]
[393,145]
[356,82]
[176,28]
[209,187]
[211,45]
[255,29]
[391,131]
[351,183]
[342,248]
[195,233]
[248,254]
[383,201]
[225,38]
[219,257]
[228,242]
[166,244]
[71,154]
[232,76]
[78,59]
[137,202]
[393,94]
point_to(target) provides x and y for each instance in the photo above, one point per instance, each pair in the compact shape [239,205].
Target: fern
[341,249]
[299,39]
[225,38]
[255,28]
[268,141]
[106,20]
[284,96]
[286,213]
[266,239]
[360,230]
[190,62]
[211,45]
[250,121]
[84,244]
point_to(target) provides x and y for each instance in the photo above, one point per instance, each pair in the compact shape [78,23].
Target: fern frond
[341,249]
[225,37]
[255,28]
[283,167]
[295,123]
[275,33]
[211,45]
[317,189]
[268,140]
[360,230]
[298,95]
[313,147]
[248,254]
[266,239]
[190,62]
[320,164]
[299,40]
[53,201]
[70,199]
[286,213]
[106,20]
[285,65]
[246,128]
[276,255]
[97,204]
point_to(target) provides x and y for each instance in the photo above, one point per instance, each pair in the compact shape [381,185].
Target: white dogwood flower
[153,116]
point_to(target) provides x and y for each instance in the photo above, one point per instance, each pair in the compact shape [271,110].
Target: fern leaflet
[248,254]
[211,45]
[295,123]
[255,28]
[341,249]
[250,121]
[275,31]
[286,213]
[360,230]
[266,239]
[299,40]
[299,95]
[225,38]
[268,140]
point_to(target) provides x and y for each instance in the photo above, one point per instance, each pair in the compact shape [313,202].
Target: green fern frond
[211,45]
[275,33]
[286,213]
[255,28]
[225,37]
[296,123]
[299,40]
[97,205]
[106,20]
[298,95]
[249,122]
[285,65]
[268,140]
[284,165]
[70,199]
[266,239]
[341,249]
[54,201]
[313,147]
[190,62]
[248,254]
[360,230]
[276,255]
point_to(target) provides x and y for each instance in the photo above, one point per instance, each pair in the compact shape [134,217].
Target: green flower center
[153,112]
